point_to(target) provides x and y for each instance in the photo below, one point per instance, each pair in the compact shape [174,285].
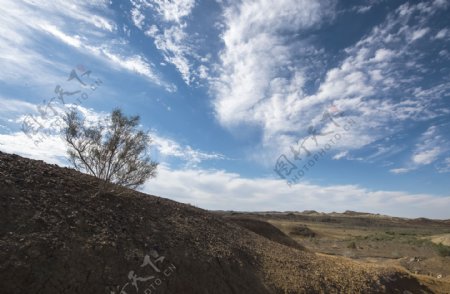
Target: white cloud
[11,107]
[203,72]
[419,34]
[442,34]
[37,128]
[152,31]
[431,147]
[426,156]
[134,63]
[170,148]
[401,170]
[171,37]
[363,9]
[383,54]
[173,11]
[443,166]
[43,140]
[69,40]
[265,78]
[26,25]
[252,86]
[431,144]
[51,149]
[340,155]
[217,189]
[173,44]
[45,126]
[138,17]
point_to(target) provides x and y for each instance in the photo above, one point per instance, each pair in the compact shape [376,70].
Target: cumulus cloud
[255,53]
[272,76]
[221,190]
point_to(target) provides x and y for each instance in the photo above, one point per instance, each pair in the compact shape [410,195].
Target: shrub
[114,150]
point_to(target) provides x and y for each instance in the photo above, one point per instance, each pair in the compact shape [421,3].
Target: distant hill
[58,235]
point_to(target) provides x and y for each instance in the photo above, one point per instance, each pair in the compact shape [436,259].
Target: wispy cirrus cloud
[431,147]
[401,170]
[443,166]
[169,34]
[28,26]
[192,157]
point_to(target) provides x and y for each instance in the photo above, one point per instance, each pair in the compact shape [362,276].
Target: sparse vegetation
[443,250]
[114,151]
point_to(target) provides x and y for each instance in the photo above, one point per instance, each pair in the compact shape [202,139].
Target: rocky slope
[58,234]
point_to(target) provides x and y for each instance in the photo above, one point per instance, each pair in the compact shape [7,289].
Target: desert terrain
[61,234]
[419,246]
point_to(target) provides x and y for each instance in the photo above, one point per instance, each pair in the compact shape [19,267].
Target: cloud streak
[28,25]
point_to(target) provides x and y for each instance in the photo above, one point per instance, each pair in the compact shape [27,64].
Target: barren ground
[410,244]
[59,234]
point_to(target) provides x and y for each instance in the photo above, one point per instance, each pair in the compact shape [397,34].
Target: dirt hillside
[266,230]
[58,235]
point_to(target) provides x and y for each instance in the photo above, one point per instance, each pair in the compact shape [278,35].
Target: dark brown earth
[266,230]
[303,231]
[59,234]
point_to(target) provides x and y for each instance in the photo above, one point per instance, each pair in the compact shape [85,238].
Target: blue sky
[232,90]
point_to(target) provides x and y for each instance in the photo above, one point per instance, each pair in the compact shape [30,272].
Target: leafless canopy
[113,150]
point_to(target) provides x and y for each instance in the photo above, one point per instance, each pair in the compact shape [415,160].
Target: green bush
[443,250]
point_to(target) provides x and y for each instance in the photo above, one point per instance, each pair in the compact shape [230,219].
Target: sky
[253,105]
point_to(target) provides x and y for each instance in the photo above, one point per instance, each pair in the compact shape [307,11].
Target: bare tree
[113,150]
